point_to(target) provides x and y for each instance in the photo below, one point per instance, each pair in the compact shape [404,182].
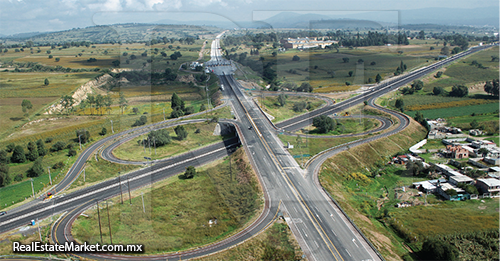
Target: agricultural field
[457,111]
[199,134]
[281,113]
[347,126]
[184,222]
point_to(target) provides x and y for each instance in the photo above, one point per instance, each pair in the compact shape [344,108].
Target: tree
[32,151]
[176,113]
[435,249]
[459,91]
[42,151]
[108,101]
[26,105]
[67,101]
[417,85]
[474,124]
[4,175]
[299,106]
[492,87]
[421,35]
[3,157]
[160,137]
[103,131]
[445,50]
[305,87]
[345,59]
[58,146]
[72,152]
[9,148]
[177,102]
[378,78]
[483,151]
[135,110]
[141,121]
[202,107]
[400,104]
[82,136]
[438,91]
[296,58]
[282,99]
[419,117]
[36,170]
[18,155]
[58,59]
[181,132]
[350,73]
[451,192]
[99,102]
[361,61]
[438,74]
[324,124]
[122,101]
[189,174]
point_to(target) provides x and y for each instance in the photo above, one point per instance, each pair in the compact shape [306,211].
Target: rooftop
[491,182]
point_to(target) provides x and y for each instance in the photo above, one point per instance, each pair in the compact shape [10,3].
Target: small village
[460,168]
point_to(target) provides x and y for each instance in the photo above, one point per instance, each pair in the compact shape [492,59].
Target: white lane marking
[354,241]
[107,188]
[331,215]
[319,218]
[348,252]
[304,232]
[334,232]
[316,244]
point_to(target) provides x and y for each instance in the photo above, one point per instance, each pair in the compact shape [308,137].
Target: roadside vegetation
[177,215]
[286,106]
[197,135]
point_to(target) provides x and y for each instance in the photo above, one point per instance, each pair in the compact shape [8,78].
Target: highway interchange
[319,225]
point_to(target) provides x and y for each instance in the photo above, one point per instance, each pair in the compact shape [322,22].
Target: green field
[131,150]
[457,111]
[279,113]
[177,214]
[349,126]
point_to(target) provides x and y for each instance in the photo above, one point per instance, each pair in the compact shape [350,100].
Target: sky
[21,16]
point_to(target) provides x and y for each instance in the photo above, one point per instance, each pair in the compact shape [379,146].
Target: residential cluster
[471,170]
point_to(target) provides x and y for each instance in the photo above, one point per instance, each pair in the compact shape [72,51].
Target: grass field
[275,243]
[279,113]
[359,196]
[457,111]
[348,126]
[315,66]
[178,213]
[131,150]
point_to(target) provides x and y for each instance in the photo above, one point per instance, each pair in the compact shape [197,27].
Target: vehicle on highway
[3,213]
[49,196]
[249,127]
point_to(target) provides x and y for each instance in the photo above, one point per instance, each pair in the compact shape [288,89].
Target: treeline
[37,67]
[35,152]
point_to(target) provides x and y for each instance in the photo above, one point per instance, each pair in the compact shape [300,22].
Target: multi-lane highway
[321,228]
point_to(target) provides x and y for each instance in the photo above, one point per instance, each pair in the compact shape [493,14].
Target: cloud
[56,21]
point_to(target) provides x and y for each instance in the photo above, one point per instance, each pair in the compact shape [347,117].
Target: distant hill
[484,16]
[116,33]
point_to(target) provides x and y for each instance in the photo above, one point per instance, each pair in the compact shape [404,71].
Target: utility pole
[128,186]
[99,217]
[121,193]
[80,141]
[109,223]
[143,208]
[149,144]
[112,131]
[154,143]
[50,178]
[144,142]
[32,189]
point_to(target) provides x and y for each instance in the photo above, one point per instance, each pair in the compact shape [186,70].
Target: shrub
[58,165]
[18,177]
[18,155]
[49,140]
[36,170]
[58,146]
[72,152]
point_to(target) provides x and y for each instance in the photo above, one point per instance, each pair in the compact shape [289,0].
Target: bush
[58,146]
[82,136]
[181,132]
[10,147]
[433,249]
[58,165]
[72,152]
[189,174]
[18,177]
[299,106]
[296,58]
[49,140]
[36,170]
[141,121]
[103,131]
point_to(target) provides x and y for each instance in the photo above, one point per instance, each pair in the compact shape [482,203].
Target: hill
[117,33]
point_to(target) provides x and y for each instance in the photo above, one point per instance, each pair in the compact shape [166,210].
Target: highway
[319,225]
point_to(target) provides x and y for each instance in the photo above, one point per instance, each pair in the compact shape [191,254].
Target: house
[461,194]
[307,42]
[494,171]
[492,161]
[478,144]
[475,132]
[193,65]
[456,152]
[461,179]
[489,185]
[425,186]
